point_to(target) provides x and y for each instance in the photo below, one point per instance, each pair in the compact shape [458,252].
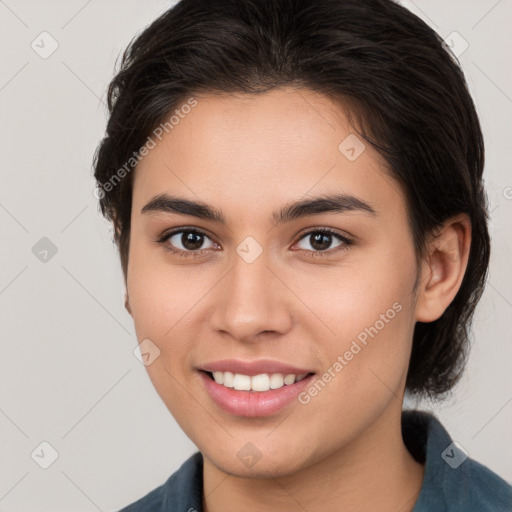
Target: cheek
[160,300]
[369,309]
[160,293]
[157,304]
[355,298]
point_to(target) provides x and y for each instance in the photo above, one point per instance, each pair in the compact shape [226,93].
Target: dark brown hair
[406,90]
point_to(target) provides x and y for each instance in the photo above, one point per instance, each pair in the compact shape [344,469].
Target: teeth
[276,381]
[261,382]
[289,379]
[242,382]
[218,376]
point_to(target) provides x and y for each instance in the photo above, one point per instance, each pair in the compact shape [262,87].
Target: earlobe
[444,268]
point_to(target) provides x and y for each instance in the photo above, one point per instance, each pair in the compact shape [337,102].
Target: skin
[249,156]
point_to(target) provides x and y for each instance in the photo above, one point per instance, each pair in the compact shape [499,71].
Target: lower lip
[253,403]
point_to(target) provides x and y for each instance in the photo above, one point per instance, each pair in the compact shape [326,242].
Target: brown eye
[186,241]
[190,240]
[321,240]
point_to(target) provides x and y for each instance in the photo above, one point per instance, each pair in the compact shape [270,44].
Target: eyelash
[347,242]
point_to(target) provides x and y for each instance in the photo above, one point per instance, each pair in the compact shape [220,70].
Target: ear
[443,268]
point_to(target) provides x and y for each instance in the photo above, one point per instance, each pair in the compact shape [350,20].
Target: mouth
[253,396]
[255,383]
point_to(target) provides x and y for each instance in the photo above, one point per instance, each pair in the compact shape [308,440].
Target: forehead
[254,151]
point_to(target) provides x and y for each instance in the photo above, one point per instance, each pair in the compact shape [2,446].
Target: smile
[259,402]
[259,383]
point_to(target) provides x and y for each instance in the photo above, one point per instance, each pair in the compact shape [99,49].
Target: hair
[394,73]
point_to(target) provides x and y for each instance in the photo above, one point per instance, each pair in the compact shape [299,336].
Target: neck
[373,472]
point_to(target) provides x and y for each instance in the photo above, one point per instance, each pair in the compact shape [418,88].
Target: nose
[252,300]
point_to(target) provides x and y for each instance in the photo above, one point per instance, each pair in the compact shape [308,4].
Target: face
[261,289]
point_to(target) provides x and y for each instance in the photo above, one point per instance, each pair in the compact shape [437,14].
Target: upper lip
[252,368]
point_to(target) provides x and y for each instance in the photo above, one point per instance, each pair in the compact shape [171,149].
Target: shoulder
[152,502]
[182,490]
[487,491]
[453,482]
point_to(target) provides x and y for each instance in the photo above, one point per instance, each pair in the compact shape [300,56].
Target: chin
[251,462]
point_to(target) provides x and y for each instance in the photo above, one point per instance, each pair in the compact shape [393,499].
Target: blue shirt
[452,481]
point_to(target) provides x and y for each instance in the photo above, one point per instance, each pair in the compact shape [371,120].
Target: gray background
[68,375]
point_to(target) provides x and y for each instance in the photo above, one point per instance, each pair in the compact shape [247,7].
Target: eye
[186,242]
[189,242]
[321,239]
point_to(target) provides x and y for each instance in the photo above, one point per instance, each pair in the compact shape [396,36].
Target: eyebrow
[337,203]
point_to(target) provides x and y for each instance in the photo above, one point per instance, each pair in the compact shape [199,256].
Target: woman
[296,191]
